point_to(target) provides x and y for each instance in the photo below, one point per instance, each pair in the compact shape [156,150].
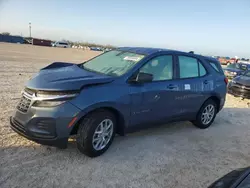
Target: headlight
[52,98]
[234,73]
[41,95]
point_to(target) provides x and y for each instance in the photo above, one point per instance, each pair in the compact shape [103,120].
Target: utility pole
[30,28]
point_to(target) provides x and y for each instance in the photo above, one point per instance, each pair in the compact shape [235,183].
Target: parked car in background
[226,60]
[61,44]
[240,86]
[216,57]
[118,92]
[96,48]
[245,61]
[235,69]
[239,178]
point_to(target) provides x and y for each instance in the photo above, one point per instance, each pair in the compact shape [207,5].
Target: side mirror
[142,78]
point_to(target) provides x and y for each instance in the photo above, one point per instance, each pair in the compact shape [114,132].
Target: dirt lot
[172,155]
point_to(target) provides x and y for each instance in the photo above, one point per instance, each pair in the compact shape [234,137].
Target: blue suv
[118,92]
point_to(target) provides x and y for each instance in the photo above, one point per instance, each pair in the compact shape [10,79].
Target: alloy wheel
[103,134]
[208,114]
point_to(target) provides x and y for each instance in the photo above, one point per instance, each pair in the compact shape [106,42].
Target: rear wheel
[96,133]
[206,114]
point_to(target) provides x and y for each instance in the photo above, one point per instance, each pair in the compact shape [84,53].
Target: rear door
[194,84]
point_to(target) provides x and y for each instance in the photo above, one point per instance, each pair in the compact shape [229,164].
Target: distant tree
[5,33]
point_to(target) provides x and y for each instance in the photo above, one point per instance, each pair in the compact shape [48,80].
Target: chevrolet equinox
[117,92]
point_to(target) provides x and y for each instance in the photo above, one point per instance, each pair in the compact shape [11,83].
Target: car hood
[244,80]
[60,76]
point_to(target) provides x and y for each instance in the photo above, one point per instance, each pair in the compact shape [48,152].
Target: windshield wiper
[91,70]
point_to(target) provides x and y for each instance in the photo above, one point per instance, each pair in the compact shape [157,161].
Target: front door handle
[171,86]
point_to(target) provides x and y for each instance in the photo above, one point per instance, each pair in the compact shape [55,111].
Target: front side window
[160,67]
[190,67]
[113,63]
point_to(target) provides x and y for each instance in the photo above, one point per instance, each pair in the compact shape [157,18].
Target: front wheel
[206,114]
[96,133]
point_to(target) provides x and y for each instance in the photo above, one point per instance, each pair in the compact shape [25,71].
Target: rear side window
[216,67]
[61,43]
[203,71]
[190,67]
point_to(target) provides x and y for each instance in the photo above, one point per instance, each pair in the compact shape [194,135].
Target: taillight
[226,80]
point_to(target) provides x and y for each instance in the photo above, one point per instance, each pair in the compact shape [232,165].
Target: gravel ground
[172,155]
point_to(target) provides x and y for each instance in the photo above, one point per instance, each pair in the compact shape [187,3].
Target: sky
[209,27]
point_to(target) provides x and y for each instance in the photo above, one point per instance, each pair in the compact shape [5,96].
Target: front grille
[18,125]
[240,91]
[238,84]
[241,86]
[24,104]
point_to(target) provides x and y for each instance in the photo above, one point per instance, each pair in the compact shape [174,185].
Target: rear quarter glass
[216,66]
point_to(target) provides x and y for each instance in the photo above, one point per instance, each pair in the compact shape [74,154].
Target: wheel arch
[216,99]
[118,115]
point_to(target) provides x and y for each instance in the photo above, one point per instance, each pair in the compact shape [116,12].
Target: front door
[154,101]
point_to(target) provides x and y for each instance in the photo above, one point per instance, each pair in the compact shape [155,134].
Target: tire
[87,129]
[199,122]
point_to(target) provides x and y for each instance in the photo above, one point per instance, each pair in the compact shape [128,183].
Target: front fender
[121,108]
[123,111]
[114,96]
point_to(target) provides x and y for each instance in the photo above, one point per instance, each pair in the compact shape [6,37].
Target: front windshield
[113,63]
[247,74]
[237,66]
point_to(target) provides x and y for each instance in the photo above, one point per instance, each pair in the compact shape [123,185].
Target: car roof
[150,51]
[143,50]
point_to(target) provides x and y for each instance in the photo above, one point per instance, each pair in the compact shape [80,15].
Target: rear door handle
[205,82]
[171,86]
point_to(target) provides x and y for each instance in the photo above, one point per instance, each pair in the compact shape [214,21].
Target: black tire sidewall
[199,123]
[87,130]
